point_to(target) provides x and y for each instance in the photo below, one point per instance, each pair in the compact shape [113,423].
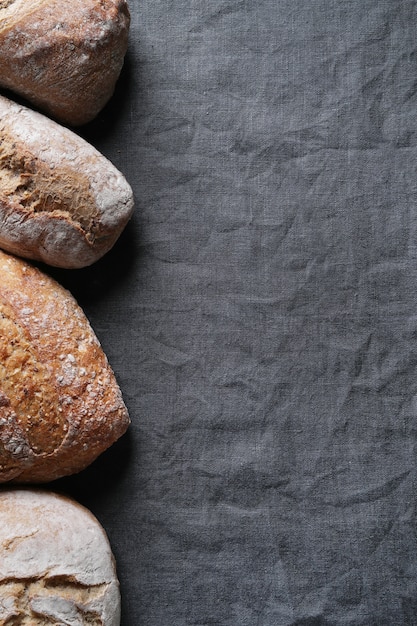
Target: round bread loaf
[61,201]
[60,404]
[64,57]
[56,564]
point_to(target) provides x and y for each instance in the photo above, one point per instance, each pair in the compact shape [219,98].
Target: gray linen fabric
[260,313]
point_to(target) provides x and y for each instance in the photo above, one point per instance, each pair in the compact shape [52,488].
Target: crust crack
[38,187]
[40,600]
[6,3]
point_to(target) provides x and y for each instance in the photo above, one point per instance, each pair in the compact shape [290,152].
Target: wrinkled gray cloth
[260,313]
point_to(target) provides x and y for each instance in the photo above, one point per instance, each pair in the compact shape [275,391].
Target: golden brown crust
[60,405]
[64,57]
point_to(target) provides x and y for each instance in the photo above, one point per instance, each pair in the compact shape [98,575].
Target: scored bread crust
[61,201]
[64,57]
[56,562]
[60,404]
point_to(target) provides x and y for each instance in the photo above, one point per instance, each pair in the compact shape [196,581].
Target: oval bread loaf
[56,564]
[61,201]
[64,57]
[60,404]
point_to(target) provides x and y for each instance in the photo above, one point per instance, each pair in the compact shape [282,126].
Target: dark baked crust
[60,404]
[64,57]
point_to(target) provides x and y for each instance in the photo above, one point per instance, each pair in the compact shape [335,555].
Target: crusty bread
[60,404]
[64,57]
[61,201]
[56,563]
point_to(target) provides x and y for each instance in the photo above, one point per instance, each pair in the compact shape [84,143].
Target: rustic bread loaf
[60,404]
[61,201]
[56,564]
[64,57]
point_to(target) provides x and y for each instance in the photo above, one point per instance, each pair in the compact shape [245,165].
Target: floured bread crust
[56,563]
[64,57]
[60,404]
[61,201]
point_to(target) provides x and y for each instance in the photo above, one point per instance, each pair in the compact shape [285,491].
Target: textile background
[260,314]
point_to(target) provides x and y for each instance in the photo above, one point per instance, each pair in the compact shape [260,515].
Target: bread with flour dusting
[60,404]
[61,201]
[63,57]
[56,563]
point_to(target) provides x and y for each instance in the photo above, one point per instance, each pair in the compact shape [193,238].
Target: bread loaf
[61,201]
[60,404]
[64,57]
[56,564]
